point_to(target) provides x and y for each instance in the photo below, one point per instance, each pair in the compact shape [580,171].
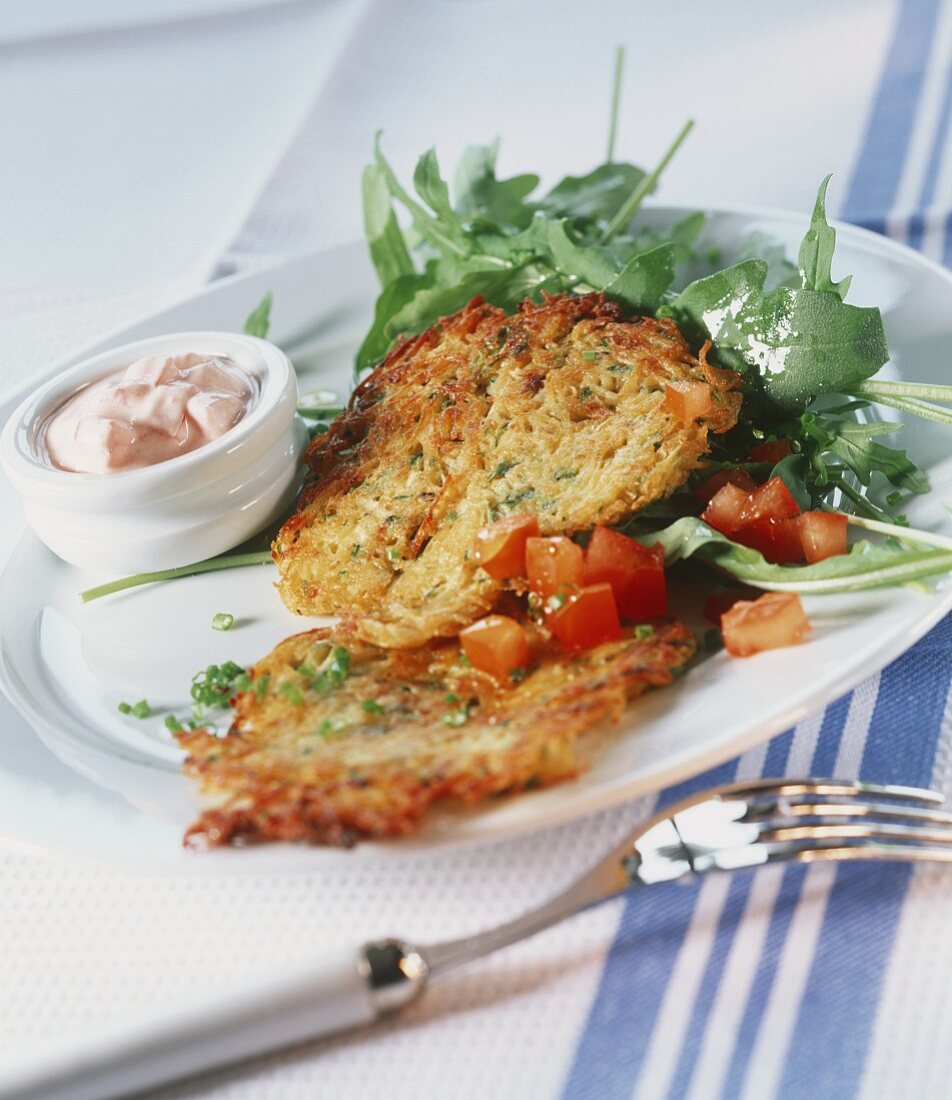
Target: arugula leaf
[854,444]
[717,308]
[388,249]
[643,282]
[780,271]
[259,320]
[816,251]
[439,233]
[865,566]
[395,296]
[481,196]
[805,342]
[433,189]
[596,196]
[792,344]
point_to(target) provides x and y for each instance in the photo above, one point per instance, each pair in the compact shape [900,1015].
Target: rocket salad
[807,359]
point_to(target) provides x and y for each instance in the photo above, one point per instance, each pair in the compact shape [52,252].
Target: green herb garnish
[259,320]
[137,710]
[223,621]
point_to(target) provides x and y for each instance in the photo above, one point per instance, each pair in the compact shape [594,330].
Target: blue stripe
[775,763]
[834,1027]
[882,155]
[947,251]
[788,897]
[653,926]
[917,223]
[649,938]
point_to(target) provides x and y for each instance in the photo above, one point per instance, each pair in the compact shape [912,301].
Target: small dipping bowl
[172,513]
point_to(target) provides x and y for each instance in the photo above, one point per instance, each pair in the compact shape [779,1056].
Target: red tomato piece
[687,400]
[774,620]
[501,547]
[553,564]
[707,489]
[772,500]
[724,509]
[634,571]
[773,452]
[587,618]
[496,645]
[823,535]
[777,539]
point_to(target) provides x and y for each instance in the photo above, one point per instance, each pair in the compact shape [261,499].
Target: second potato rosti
[336,740]
[558,410]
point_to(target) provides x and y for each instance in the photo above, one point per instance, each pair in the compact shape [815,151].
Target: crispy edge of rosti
[328,802]
[433,587]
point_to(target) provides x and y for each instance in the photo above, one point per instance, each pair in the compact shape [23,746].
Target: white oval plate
[66,665]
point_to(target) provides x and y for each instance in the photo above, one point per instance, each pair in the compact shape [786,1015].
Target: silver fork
[730,828]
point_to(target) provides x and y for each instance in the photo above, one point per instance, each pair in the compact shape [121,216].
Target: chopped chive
[294,693]
[331,725]
[501,470]
[589,355]
[393,553]
[173,724]
[223,620]
[643,630]
[371,706]
[517,675]
[137,710]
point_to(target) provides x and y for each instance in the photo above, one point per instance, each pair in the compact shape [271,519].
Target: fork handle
[339,992]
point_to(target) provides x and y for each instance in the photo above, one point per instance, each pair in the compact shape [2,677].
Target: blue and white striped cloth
[775,984]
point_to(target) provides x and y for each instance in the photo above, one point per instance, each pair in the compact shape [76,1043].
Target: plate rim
[688,760]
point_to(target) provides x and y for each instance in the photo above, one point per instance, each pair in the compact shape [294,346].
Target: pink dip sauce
[154,410]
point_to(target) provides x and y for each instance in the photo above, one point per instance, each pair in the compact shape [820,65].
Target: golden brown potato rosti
[558,410]
[329,761]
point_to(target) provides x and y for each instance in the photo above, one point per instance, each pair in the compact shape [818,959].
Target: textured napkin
[760,985]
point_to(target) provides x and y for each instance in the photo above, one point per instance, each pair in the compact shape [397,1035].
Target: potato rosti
[337,740]
[558,410]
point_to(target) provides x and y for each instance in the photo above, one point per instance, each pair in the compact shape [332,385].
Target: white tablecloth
[144,150]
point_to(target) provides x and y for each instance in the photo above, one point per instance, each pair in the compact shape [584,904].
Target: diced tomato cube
[496,645]
[553,564]
[724,509]
[634,571]
[716,605]
[687,400]
[501,547]
[706,490]
[777,539]
[772,500]
[774,620]
[587,618]
[774,451]
[823,535]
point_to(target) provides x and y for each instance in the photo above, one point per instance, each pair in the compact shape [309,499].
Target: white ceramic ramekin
[176,512]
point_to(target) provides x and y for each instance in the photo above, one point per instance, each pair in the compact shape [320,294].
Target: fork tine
[772,807]
[878,851]
[834,787]
[822,831]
